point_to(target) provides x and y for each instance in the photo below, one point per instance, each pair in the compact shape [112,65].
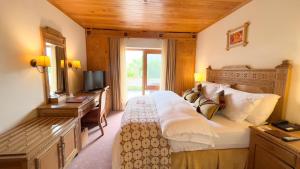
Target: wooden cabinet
[42,143]
[265,160]
[76,110]
[269,152]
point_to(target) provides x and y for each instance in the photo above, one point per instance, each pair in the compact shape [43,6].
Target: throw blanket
[179,121]
[143,145]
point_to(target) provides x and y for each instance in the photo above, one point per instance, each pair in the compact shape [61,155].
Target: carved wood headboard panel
[256,81]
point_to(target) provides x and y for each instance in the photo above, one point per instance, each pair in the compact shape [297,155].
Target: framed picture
[237,36]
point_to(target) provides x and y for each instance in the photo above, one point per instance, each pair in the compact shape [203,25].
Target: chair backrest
[103,99]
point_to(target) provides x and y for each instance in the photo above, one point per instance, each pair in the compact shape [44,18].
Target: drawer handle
[61,149]
[63,153]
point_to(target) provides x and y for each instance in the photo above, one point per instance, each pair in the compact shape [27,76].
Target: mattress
[231,135]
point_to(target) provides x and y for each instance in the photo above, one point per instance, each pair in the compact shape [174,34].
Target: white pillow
[210,89]
[265,108]
[239,104]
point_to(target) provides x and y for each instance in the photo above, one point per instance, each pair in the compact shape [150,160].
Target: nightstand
[269,152]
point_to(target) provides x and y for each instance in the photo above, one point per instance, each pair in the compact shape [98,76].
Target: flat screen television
[93,80]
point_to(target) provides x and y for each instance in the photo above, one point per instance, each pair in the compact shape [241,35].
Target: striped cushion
[192,95]
[208,107]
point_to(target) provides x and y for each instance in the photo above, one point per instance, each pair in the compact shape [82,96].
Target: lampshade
[43,61]
[62,64]
[76,64]
[199,77]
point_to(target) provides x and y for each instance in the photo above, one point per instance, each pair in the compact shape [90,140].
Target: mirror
[56,76]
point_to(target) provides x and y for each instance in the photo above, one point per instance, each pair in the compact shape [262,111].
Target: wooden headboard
[251,80]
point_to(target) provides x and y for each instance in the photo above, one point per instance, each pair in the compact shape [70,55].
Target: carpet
[98,153]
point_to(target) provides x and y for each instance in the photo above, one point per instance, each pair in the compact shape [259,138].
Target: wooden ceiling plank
[167,15]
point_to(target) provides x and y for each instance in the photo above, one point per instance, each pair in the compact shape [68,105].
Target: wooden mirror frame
[53,36]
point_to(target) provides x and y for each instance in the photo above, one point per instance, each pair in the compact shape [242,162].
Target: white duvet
[179,120]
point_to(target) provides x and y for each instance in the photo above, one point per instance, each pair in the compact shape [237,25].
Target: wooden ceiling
[148,15]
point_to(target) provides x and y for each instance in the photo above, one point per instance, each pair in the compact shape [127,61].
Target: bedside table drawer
[276,150]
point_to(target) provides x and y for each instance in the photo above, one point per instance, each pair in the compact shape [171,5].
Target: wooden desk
[77,110]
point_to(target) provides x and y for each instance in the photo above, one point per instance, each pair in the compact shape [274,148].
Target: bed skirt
[210,159]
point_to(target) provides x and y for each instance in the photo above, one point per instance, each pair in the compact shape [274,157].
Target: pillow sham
[239,104]
[265,108]
[209,89]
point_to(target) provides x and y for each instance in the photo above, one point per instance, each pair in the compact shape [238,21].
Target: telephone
[280,122]
[286,126]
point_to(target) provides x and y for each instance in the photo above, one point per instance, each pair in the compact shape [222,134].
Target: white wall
[274,35]
[143,43]
[21,86]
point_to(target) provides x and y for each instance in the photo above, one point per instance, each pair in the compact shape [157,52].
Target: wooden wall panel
[185,65]
[97,47]
[98,58]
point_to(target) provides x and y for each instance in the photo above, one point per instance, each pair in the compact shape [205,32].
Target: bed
[147,140]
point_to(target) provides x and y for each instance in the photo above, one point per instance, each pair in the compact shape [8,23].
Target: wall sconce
[75,64]
[41,62]
[62,64]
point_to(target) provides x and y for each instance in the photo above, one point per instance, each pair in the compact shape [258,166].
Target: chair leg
[105,124]
[101,128]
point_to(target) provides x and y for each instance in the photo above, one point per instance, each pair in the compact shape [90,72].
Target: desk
[77,110]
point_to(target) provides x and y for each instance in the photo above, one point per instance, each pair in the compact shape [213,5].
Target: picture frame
[238,36]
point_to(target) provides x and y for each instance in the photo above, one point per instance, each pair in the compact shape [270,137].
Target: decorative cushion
[206,107]
[192,95]
[221,99]
[209,106]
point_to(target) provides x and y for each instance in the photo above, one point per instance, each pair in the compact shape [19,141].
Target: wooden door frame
[145,61]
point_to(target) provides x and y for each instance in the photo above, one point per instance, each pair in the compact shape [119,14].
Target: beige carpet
[97,154]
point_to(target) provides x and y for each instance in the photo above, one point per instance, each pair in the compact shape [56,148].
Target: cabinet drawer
[276,150]
[264,160]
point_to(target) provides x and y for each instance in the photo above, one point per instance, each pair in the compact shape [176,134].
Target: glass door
[134,66]
[143,71]
[153,70]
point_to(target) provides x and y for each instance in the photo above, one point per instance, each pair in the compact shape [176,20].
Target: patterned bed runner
[142,143]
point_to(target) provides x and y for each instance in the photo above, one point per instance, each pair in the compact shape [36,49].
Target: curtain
[170,65]
[115,73]
[123,75]
[163,64]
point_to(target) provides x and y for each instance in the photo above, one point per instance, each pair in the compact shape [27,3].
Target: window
[143,71]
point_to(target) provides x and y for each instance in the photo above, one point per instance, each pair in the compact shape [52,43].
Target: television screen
[93,80]
[88,83]
[98,77]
